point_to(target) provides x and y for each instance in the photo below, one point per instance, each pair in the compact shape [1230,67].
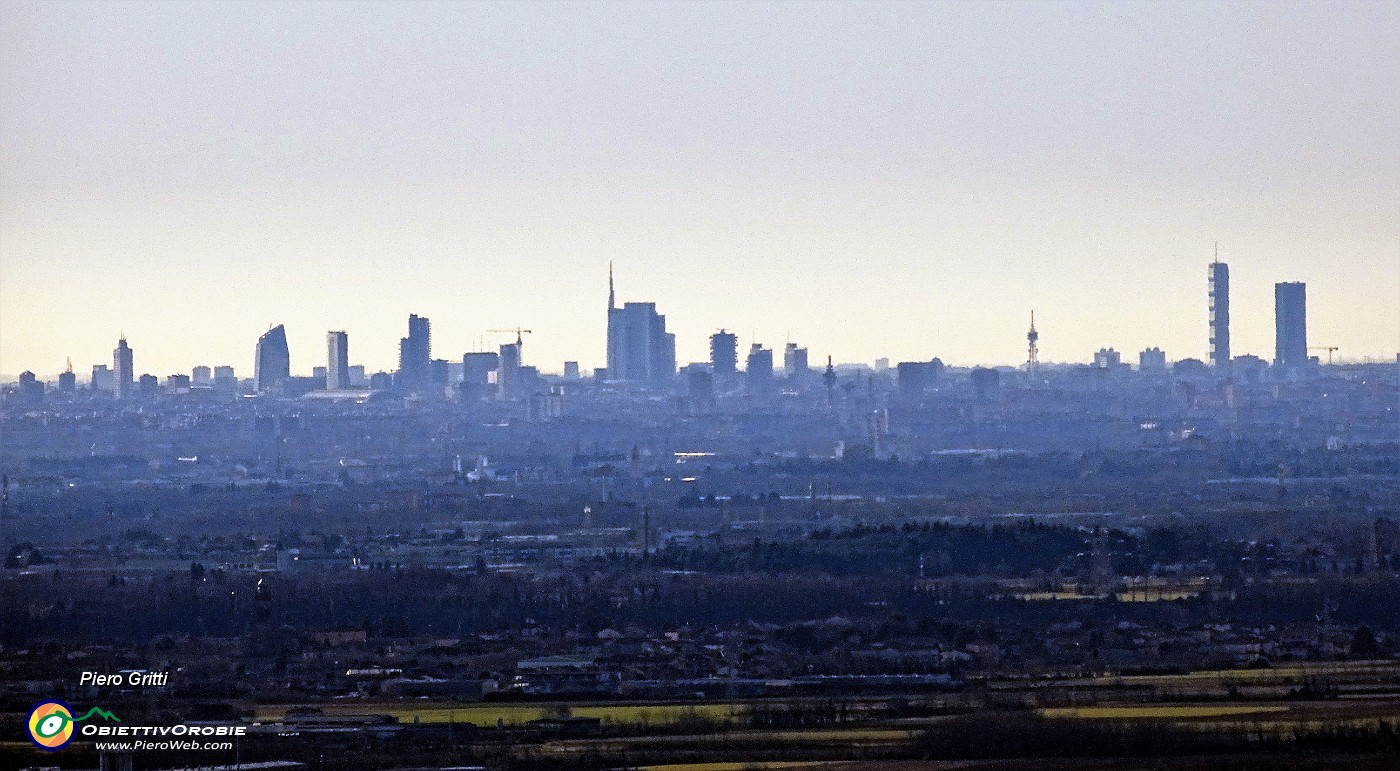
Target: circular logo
[51,725]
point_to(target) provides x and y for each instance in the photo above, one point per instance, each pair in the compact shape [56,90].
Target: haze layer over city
[699,387]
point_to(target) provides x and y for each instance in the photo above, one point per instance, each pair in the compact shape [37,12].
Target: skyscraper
[640,350]
[31,389]
[1153,358]
[224,378]
[272,362]
[477,369]
[439,374]
[794,360]
[1290,325]
[909,376]
[122,369]
[1219,314]
[759,373]
[415,355]
[724,352]
[101,378]
[337,361]
[508,368]
[1107,358]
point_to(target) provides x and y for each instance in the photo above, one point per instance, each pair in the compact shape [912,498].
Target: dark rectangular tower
[1219,314]
[415,355]
[724,352]
[337,361]
[1290,324]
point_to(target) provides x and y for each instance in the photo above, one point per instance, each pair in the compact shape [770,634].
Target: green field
[732,766]
[488,715]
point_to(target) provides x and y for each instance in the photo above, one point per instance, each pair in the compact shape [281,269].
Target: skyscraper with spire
[640,350]
[122,369]
[67,380]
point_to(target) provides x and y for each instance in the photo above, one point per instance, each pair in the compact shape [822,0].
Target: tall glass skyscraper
[1219,314]
[758,372]
[1290,324]
[415,355]
[508,371]
[272,363]
[794,360]
[724,352]
[640,350]
[337,361]
[122,369]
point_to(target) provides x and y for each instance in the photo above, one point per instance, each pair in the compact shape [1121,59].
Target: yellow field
[1158,711]
[1164,595]
[488,715]
[1042,596]
[1293,671]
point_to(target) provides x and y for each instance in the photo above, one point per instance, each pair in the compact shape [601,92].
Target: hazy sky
[902,180]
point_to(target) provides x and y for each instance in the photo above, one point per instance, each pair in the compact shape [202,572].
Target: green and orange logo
[51,723]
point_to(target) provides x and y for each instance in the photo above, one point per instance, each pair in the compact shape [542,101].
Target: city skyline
[858,384]
[418,332]
[766,169]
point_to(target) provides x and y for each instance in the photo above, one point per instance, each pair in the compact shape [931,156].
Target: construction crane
[1328,348]
[518,332]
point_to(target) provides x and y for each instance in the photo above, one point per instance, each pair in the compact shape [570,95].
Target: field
[1159,711]
[1370,670]
[490,715]
[1271,718]
[1234,709]
[773,766]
